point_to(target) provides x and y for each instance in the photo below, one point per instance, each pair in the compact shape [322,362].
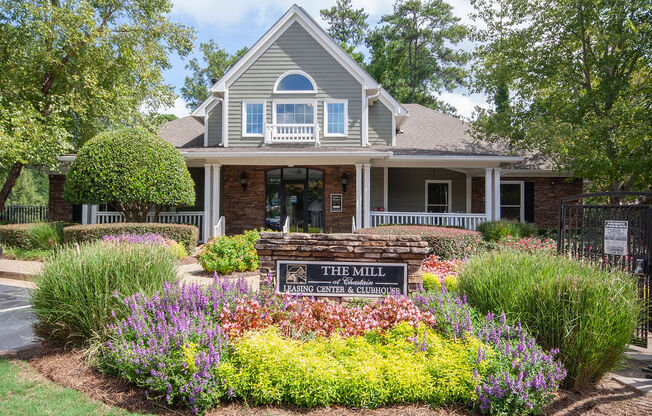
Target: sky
[237,23]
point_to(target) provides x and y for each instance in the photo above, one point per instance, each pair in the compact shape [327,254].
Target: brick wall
[246,210]
[547,192]
[58,209]
[345,248]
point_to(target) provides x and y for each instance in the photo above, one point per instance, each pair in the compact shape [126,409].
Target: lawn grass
[25,392]
[23,254]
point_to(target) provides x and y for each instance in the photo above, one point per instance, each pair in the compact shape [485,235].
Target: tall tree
[217,61]
[579,80]
[347,26]
[71,68]
[413,53]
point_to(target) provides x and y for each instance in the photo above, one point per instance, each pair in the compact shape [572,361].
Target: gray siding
[407,188]
[377,188]
[296,50]
[380,124]
[215,126]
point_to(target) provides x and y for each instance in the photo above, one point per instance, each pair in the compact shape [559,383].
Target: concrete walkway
[188,273]
[630,372]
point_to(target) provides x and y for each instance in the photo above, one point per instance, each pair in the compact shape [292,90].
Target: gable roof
[299,15]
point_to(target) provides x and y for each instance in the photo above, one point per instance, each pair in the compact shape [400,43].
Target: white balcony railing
[191,218]
[453,219]
[292,133]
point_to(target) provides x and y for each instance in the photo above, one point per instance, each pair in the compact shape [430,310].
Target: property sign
[332,278]
[336,202]
[615,237]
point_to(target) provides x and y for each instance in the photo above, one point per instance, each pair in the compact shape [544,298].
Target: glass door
[294,205]
[296,194]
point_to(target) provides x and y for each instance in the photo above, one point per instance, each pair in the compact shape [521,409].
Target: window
[253,118]
[438,196]
[511,200]
[295,81]
[295,112]
[335,118]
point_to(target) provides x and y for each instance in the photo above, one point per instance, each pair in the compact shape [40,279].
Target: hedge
[181,233]
[30,236]
[445,243]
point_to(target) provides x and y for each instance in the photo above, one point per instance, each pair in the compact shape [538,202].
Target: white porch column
[488,193]
[386,189]
[93,215]
[367,195]
[358,195]
[207,202]
[469,193]
[496,197]
[84,214]
[216,197]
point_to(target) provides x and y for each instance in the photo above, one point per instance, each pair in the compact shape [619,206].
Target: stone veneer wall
[343,247]
[246,210]
[58,209]
[547,191]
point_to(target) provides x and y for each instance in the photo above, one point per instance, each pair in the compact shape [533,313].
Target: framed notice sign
[332,278]
[615,237]
[336,202]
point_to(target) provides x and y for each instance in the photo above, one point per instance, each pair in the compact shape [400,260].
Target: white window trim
[346,117]
[522,206]
[295,101]
[312,81]
[450,192]
[244,117]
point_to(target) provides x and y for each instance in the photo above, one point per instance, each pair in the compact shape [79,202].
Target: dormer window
[295,82]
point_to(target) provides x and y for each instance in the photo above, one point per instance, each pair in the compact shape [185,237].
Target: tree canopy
[69,69]
[133,169]
[571,81]
[216,62]
[413,52]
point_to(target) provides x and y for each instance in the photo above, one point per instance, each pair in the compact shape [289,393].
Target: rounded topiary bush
[80,286]
[590,314]
[136,170]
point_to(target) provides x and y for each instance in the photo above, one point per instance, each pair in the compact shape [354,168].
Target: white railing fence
[292,133]
[220,227]
[286,226]
[353,228]
[190,218]
[24,213]
[452,219]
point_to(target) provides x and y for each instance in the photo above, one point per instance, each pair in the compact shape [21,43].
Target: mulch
[69,369]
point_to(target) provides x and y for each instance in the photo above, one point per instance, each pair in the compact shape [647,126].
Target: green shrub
[433,282]
[369,371]
[181,233]
[135,170]
[32,236]
[227,254]
[588,313]
[444,242]
[79,286]
[497,230]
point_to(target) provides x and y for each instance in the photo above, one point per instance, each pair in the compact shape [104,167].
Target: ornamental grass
[587,312]
[80,288]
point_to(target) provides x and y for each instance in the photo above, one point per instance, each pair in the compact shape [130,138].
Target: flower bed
[201,347]
[446,243]
[153,239]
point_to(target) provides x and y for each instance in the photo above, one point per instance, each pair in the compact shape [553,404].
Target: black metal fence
[616,236]
[24,213]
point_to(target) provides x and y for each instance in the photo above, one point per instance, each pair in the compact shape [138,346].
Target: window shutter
[528,197]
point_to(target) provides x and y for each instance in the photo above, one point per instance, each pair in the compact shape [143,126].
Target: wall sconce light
[243,180]
[345,180]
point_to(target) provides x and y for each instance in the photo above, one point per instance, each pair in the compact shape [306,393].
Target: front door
[298,195]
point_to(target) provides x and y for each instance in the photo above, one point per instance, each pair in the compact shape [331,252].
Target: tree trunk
[14,172]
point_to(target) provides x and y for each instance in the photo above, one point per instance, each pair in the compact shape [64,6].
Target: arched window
[295,82]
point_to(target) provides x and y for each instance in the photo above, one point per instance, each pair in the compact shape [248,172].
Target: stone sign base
[328,249]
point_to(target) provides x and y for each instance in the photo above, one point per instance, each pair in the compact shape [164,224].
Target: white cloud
[464,103]
[178,109]
[265,12]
